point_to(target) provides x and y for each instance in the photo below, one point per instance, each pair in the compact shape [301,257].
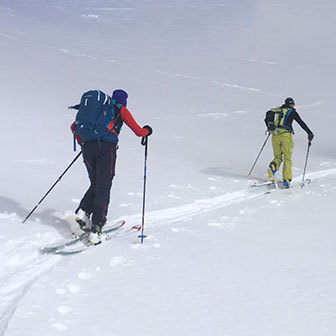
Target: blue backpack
[97,118]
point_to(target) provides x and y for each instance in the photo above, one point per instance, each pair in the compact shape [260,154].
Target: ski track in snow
[163,73]
[259,61]
[199,207]
[25,265]
[217,82]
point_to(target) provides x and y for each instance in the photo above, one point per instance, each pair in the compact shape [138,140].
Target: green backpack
[276,120]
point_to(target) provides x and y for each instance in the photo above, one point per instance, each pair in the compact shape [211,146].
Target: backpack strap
[74,141]
[113,122]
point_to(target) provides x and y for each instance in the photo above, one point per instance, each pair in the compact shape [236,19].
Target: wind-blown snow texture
[221,258]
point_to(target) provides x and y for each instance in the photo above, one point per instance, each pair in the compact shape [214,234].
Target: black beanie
[289,101]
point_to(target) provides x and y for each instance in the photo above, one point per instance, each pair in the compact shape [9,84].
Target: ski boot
[286,184]
[84,220]
[95,236]
[271,171]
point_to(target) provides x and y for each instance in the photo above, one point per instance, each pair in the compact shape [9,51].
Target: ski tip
[68,253]
[43,250]
[136,227]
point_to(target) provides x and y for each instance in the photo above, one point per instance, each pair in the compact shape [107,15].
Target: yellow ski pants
[282,149]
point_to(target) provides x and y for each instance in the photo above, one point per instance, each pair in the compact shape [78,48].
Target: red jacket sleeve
[128,119]
[79,140]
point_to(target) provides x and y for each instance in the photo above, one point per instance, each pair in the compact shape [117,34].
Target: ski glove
[271,127]
[150,130]
[310,137]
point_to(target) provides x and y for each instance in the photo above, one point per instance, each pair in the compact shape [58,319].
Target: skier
[279,123]
[100,159]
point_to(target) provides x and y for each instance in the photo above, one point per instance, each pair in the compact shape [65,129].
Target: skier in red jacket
[100,160]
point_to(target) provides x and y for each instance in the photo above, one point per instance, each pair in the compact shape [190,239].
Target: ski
[266,184]
[261,184]
[106,236]
[84,236]
[269,185]
[280,187]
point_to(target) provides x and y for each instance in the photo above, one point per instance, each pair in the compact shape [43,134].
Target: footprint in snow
[174,196]
[84,275]
[214,224]
[119,261]
[178,229]
[63,310]
[60,326]
[73,289]
[60,291]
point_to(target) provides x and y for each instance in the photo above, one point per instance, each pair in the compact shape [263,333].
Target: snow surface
[221,258]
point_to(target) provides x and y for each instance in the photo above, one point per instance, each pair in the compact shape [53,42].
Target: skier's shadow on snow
[8,205]
[46,217]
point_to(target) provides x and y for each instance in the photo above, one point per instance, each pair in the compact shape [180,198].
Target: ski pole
[259,154]
[144,142]
[305,166]
[52,187]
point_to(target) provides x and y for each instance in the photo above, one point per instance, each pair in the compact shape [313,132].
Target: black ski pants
[100,164]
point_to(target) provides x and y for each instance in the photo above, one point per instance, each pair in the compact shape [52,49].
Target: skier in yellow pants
[282,149]
[279,123]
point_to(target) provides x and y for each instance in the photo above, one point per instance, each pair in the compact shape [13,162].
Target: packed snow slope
[221,258]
